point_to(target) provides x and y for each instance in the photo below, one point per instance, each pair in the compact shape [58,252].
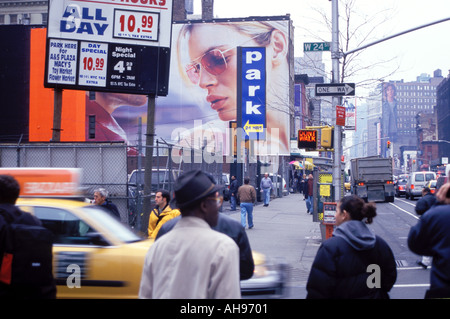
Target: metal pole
[336,100]
[57,109]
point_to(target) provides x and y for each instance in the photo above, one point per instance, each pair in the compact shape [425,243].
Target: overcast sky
[421,51]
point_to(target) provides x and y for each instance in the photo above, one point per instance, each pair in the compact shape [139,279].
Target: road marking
[411,285]
[404,201]
[404,211]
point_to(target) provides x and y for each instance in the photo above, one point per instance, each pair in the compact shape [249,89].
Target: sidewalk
[283,231]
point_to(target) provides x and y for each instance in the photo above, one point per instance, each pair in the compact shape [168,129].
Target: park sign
[335,89]
[109,45]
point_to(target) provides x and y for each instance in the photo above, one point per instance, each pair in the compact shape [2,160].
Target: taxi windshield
[113,226]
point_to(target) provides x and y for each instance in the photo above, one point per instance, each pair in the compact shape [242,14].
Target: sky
[409,55]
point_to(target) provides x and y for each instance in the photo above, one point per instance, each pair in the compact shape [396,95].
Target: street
[284,232]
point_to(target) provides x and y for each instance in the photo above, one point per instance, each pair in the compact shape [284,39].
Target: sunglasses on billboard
[213,61]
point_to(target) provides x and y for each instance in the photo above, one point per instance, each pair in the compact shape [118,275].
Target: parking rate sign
[253,92]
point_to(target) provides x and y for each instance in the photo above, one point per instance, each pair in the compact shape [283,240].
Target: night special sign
[109,45]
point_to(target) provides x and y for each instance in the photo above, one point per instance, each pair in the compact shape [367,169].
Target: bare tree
[356,28]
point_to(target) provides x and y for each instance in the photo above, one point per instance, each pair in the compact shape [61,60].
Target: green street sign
[316,46]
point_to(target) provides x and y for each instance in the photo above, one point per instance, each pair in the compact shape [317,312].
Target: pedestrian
[354,262]
[227,226]
[193,261]
[233,192]
[431,237]
[161,213]
[266,186]
[101,199]
[304,186]
[41,287]
[247,197]
[423,204]
[309,187]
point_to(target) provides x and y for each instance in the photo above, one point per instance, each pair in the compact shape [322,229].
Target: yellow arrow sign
[253,128]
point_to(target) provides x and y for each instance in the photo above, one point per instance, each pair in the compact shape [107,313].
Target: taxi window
[67,228]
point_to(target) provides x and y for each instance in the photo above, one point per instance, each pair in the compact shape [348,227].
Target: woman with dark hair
[354,263]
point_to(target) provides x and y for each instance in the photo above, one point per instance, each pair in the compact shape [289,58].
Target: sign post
[335,89]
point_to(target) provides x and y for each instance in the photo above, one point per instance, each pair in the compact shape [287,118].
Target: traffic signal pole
[335,56]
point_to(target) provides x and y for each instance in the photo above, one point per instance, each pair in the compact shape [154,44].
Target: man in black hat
[193,261]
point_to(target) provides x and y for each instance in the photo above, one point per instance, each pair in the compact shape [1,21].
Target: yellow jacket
[156,220]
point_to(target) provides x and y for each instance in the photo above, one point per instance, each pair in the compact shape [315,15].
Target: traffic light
[327,137]
[388,144]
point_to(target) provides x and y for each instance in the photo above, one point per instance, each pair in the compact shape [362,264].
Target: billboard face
[389,112]
[204,77]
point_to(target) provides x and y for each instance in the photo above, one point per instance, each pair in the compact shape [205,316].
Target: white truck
[372,178]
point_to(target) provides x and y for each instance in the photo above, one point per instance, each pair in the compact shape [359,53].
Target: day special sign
[109,45]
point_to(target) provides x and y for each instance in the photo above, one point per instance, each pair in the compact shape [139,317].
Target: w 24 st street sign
[335,89]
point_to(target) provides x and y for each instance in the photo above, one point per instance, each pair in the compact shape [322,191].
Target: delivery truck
[372,178]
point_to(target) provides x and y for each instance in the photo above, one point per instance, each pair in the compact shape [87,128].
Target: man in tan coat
[247,196]
[193,261]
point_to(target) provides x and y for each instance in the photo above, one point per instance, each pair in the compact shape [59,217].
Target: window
[419,178]
[67,228]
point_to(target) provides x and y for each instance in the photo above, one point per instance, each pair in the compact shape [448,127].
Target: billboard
[110,46]
[389,112]
[204,82]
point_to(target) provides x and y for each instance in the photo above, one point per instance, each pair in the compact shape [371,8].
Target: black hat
[193,186]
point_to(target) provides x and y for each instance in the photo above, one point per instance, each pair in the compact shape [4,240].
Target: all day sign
[109,45]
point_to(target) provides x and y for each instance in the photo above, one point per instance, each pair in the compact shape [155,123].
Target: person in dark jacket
[101,199]
[425,203]
[9,192]
[431,237]
[233,192]
[354,263]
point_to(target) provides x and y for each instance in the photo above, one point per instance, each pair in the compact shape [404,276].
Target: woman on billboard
[207,58]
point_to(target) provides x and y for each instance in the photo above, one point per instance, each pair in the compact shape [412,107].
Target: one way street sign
[335,89]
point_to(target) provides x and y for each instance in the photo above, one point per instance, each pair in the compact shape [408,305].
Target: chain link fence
[120,169]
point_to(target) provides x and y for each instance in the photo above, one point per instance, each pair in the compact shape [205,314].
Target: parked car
[400,187]
[416,182]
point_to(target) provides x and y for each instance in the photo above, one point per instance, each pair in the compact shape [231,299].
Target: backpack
[25,253]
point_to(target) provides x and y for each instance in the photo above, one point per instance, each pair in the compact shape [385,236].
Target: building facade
[23,12]
[400,103]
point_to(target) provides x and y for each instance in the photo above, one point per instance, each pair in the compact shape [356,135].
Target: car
[432,186]
[108,256]
[91,249]
[416,182]
[400,187]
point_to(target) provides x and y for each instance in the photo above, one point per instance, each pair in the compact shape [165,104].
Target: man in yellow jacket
[161,213]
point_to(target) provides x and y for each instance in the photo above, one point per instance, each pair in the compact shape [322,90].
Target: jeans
[247,209]
[266,196]
[233,202]
[309,204]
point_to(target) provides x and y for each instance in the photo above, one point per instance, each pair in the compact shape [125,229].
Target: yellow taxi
[95,255]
